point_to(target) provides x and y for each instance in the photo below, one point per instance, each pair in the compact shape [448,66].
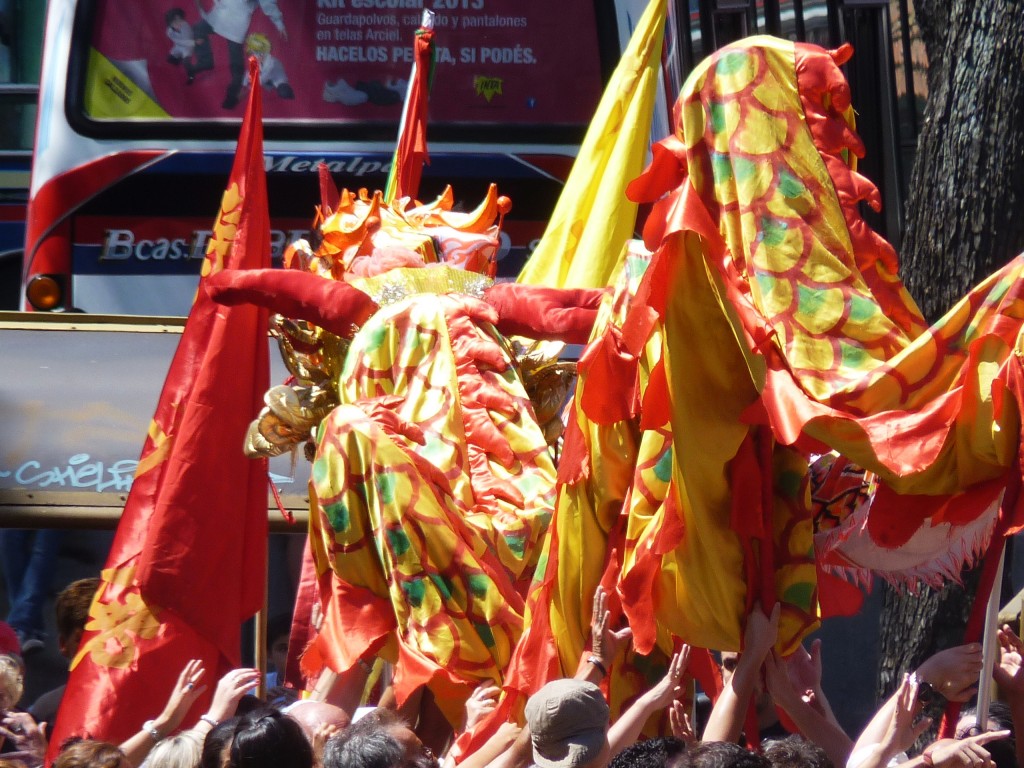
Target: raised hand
[230,690]
[666,690]
[804,668]
[679,722]
[1009,672]
[324,731]
[186,690]
[964,753]
[902,731]
[781,686]
[953,672]
[606,643]
[480,703]
[761,631]
[28,737]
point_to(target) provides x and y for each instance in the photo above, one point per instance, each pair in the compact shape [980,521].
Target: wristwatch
[150,727]
[926,692]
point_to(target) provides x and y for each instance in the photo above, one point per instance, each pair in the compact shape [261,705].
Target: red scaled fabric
[187,566]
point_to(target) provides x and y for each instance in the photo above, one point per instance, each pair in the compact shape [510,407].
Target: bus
[140,104]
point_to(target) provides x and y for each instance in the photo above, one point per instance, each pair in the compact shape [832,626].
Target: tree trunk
[965,219]
[916,626]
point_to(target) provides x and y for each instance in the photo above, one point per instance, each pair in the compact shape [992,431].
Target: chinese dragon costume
[763,326]
[433,478]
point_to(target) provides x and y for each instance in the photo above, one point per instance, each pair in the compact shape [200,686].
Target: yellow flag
[593,219]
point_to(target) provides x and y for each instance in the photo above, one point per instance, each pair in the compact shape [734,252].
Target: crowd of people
[566,724]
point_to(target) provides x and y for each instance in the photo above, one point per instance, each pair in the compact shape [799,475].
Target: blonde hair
[89,753]
[181,751]
[12,682]
[257,43]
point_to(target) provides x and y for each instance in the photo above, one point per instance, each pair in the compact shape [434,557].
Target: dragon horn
[334,306]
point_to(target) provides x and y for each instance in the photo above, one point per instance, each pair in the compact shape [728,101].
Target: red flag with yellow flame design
[187,564]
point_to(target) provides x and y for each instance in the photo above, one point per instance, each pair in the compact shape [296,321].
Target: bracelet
[209,720]
[599,664]
[150,727]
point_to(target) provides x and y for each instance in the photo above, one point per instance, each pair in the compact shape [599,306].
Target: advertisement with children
[497,61]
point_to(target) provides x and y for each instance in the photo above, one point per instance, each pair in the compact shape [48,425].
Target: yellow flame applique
[223,230]
[488,87]
[117,622]
[160,449]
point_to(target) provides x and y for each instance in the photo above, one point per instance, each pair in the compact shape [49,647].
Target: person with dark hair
[381,739]
[265,738]
[723,754]
[363,748]
[72,610]
[218,742]
[179,32]
[1000,718]
[897,725]
[278,631]
[661,752]
[87,753]
[796,752]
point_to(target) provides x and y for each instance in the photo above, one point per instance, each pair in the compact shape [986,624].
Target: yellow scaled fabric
[593,220]
[417,513]
[576,548]
[804,267]
[783,319]
[707,568]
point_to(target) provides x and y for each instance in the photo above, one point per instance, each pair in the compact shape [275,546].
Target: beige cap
[568,722]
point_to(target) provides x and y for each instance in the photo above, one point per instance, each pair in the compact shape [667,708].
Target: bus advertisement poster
[504,61]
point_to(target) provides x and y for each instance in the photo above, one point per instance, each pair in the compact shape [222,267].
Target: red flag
[187,565]
[411,152]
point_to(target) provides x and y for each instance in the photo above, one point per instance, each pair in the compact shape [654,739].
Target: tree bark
[964,220]
[965,217]
[915,626]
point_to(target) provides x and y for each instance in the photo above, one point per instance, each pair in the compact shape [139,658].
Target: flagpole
[989,645]
[260,635]
[426,22]
[324,685]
